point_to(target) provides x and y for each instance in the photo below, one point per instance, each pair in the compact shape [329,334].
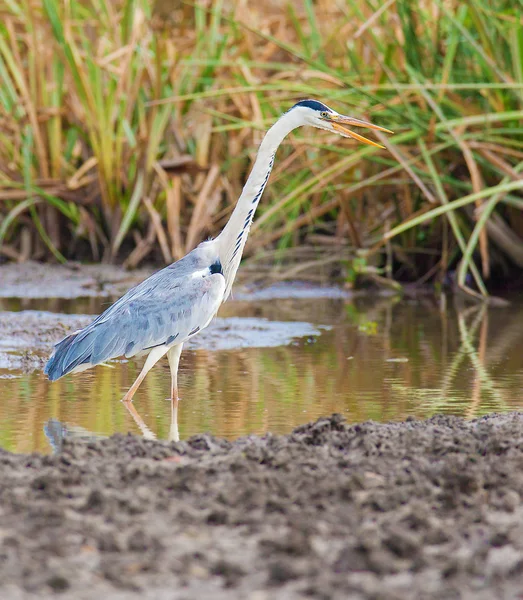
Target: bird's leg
[152,359]
[174,435]
[174,359]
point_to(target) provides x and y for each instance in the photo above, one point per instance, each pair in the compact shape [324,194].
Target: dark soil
[421,509]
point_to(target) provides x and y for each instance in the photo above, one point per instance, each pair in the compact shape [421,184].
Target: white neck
[231,240]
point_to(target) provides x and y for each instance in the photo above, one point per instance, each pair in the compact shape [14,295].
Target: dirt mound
[421,509]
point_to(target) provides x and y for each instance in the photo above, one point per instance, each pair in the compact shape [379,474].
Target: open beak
[342,124]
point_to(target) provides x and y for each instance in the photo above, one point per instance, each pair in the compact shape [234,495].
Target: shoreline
[417,509]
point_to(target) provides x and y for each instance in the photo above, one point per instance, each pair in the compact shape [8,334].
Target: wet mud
[27,337]
[40,280]
[412,510]
[32,280]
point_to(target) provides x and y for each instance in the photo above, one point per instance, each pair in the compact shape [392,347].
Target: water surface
[381,359]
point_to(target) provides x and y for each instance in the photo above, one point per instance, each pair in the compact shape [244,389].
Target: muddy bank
[415,510]
[27,337]
[31,280]
[37,280]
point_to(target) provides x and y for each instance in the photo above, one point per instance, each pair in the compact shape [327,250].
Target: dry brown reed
[127,131]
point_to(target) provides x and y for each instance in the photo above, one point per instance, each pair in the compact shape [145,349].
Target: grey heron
[160,314]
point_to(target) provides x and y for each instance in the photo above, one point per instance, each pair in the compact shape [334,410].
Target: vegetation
[130,126]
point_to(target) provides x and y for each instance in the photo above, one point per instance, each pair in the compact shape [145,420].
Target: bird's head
[317,114]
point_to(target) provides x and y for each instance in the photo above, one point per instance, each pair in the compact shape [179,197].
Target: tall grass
[127,123]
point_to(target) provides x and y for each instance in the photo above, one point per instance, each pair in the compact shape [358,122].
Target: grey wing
[172,319]
[163,310]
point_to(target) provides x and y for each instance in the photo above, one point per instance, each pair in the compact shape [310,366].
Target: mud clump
[420,509]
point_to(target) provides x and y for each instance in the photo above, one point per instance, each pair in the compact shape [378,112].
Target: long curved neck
[231,240]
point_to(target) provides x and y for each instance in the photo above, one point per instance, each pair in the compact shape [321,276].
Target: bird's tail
[68,354]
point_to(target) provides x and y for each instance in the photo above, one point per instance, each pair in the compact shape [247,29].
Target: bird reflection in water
[56,432]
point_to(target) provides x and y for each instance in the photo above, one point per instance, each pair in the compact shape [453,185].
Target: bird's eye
[324,115]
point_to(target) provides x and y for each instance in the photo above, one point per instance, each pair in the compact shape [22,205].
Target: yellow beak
[341,123]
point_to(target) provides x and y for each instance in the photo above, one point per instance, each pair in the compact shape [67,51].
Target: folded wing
[166,309]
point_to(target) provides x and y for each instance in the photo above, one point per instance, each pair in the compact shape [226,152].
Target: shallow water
[379,359]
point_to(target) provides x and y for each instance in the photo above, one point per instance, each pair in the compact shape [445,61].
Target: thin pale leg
[174,360]
[153,357]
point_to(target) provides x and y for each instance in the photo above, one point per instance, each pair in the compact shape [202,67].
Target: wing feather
[165,309]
